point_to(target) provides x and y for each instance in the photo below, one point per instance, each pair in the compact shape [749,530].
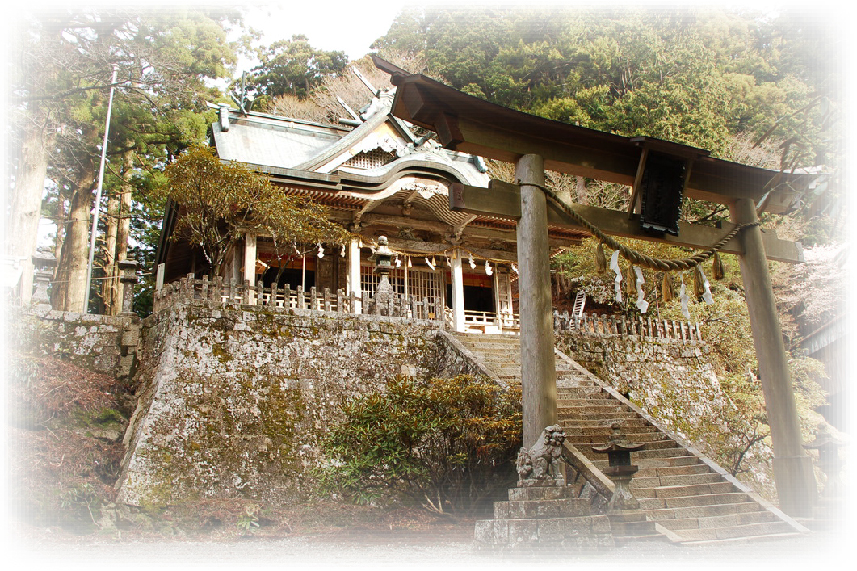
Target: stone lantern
[828,447]
[44,262]
[128,279]
[383,266]
[620,470]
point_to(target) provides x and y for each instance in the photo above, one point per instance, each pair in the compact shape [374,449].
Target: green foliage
[293,67]
[248,521]
[445,443]
[734,82]
[221,201]
[688,75]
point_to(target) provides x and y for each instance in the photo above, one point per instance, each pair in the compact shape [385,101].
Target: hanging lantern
[600,259]
[667,292]
[717,268]
[409,262]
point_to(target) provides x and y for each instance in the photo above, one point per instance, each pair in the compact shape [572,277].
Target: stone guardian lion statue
[540,465]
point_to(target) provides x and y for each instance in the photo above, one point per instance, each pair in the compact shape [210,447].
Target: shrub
[448,444]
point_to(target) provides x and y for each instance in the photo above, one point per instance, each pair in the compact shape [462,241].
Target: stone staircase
[544,517]
[689,497]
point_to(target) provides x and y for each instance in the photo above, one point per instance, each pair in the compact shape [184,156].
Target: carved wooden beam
[502,200]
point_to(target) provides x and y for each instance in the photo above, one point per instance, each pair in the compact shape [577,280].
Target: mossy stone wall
[103,343]
[232,401]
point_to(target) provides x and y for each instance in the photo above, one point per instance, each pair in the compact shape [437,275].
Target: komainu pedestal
[543,512]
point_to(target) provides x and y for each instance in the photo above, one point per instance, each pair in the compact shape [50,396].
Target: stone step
[585,531]
[536,493]
[511,349]
[643,481]
[600,407]
[634,424]
[572,414]
[735,532]
[708,522]
[683,491]
[580,392]
[593,400]
[587,442]
[657,449]
[654,462]
[649,437]
[714,510]
[578,380]
[541,509]
[667,471]
[639,431]
[688,501]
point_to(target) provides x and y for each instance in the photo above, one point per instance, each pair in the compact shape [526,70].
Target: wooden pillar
[497,321]
[457,292]
[235,268]
[796,486]
[538,365]
[353,278]
[250,262]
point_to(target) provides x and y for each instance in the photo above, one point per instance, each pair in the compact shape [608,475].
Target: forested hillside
[760,88]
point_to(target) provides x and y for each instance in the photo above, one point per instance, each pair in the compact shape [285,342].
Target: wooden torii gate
[471,125]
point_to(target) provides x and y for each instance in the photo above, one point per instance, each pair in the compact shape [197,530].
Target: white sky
[343,26]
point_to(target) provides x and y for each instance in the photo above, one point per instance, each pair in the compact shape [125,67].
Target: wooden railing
[486,321]
[620,325]
[221,293]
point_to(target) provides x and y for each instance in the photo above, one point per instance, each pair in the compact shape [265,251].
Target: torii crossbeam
[468,124]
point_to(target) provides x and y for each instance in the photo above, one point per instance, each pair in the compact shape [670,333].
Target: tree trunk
[124,225]
[70,288]
[25,209]
[109,283]
[116,239]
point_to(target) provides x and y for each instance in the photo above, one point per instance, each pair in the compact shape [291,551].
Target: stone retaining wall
[629,362]
[235,399]
[103,343]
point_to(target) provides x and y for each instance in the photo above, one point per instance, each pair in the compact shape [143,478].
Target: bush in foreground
[448,444]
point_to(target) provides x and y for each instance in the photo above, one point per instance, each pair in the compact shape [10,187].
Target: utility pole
[98,194]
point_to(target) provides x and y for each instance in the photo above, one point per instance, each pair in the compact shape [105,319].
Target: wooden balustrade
[221,293]
[596,324]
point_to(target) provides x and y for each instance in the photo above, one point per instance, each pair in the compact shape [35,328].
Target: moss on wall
[232,401]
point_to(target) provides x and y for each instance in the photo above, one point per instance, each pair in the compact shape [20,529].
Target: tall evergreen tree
[66,58]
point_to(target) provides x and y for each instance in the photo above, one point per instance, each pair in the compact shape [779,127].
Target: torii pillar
[538,363]
[795,481]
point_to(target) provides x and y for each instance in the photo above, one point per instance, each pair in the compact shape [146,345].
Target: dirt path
[408,551]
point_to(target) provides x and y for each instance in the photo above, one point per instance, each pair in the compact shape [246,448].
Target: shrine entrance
[660,174]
